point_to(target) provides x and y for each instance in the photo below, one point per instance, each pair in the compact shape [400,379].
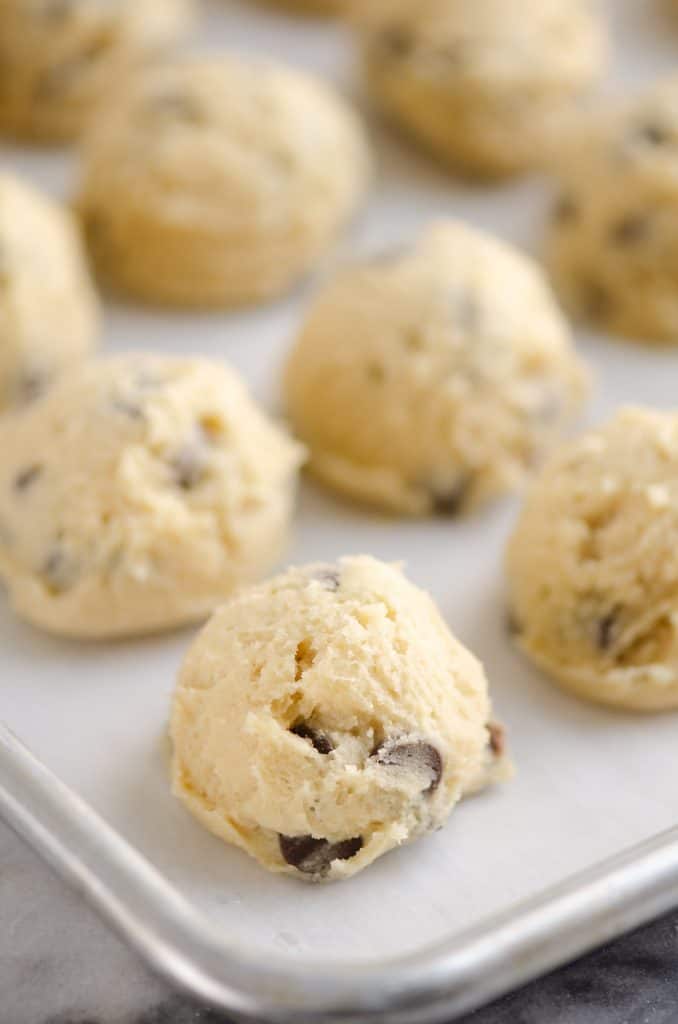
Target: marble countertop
[60,965]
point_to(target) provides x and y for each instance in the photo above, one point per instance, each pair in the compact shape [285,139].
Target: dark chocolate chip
[27,476]
[595,299]
[514,626]
[396,41]
[630,229]
[329,578]
[450,501]
[416,756]
[497,741]
[376,373]
[314,856]
[565,210]
[653,133]
[320,740]
[189,465]
[32,384]
[59,570]
[606,629]
[178,106]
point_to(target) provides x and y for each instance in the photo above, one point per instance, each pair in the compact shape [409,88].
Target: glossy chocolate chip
[497,742]
[595,299]
[330,578]
[27,476]
[319,740]
[514,626]
[189,465]
[314,856]
[450,501]
[416,756]
[630,229]
[32,384]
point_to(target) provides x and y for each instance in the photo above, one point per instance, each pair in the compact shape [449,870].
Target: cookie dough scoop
[327,716]
[138,494]
[593,564]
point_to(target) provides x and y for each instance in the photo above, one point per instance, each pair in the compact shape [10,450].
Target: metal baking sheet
[590,782]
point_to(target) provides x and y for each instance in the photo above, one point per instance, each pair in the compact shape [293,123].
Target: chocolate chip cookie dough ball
[487,86]
[593,564]
[613,245]
[138,494]
[432,378]
[59,57]
[49,316]
[216,181]
[327,716]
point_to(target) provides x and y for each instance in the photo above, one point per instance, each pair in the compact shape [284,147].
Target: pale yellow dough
[430,379]
[59,57]
[49,317]
[593,564]
[327,716]
[219,180]
[613,244]
[488,86]
[138,494]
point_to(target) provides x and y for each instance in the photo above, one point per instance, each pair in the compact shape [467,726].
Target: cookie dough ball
[430,379]
[138,494]
[486,88]
[48,310]
[59,57]
[613,245]
[216,181]
[593,564]
[327,716]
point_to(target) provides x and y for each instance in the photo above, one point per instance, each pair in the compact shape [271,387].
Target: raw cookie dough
[138,494]
[215,181]
[487,88]
[48,310]
[613,245]
[431,378]
[593,564]
[327,716]
[59,57]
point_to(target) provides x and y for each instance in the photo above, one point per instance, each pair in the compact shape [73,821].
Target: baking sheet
[589,782]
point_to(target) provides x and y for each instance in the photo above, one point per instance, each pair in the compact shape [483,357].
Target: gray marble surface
[60,965]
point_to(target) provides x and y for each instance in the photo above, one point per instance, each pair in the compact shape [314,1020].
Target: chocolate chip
[653,133]
[595,299]
[319,740]
[27,476]
[396,41]
[59,571]
[497,742]
[32,384]
[606,629]
[178,106]
[329,578]
[314,856]
[416,756]
[128,408]
[376,373]
[189,465]
[450,501]
[514,626]
[630,229]
[57,10]
[566,210]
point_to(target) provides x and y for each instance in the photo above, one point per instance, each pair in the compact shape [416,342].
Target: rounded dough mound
[216,181]
[613,244]
[593,564]
[49,317]
[430,379]
[327,716]
[138,494]
[59,57]
[485,87]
